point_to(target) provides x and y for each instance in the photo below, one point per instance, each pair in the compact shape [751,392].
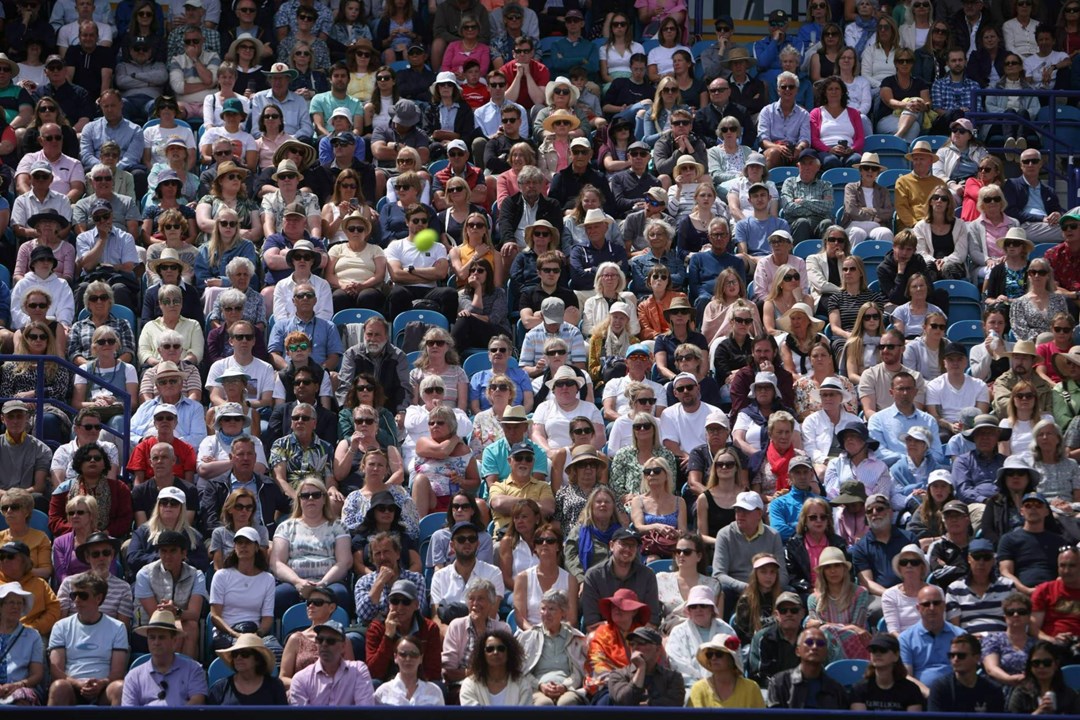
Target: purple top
[349,687]
[65,563]
[1012,661]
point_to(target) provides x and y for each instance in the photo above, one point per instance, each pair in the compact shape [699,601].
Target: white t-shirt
[89,648]
[1020,441]
[241,596]
[685,428]
[660,56]
[1033,68]
[556,421]
[940,391]
[406,253]
[617,389]
[753,430]
[447,586]
[156,137]
[835,129]
[261,373]
[242,141]
[619,61]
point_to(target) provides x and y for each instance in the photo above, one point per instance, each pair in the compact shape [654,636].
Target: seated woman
[587,542]
[82,514]
[700,619]
[373,467]
[754,608]
[862,349]
[22,667]
[557,355]
[944,240]
[432,389]
[725,687]
[609,649]
[1005,652]
[909,318]
[168,514]
[517,547]
[438,356]
[786,291]
[495,675]
[20,379]
[242,594]
[407,687]
[1007,279]
[716,504]
[367,390]
[886,685]
[443,463]
[554,652]
[924,354]
[546,576]
[1030,314]
[657,512]
[718,320]
[310,548]
[482,308]
[301,649]
[836,130]
[899,604]
[959,158]
[803,334]
[692,358]
[868,207]
[237,513]
[497,392]
[106,366]
[551,429]
[610,288]
[98,555]
[610,340]
[814,535]
[92,465]
[170,298]
[18,506]
[626,476]
[750,434]
[585,470]
[1022,413]
[675,588]
[1044,689]
[252,682]
[845,305]
[383,515]
[463,507]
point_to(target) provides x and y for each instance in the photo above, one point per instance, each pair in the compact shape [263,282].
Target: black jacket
[391,370]
[511,211]
[566,186]
[788,690]
[321,180]
[707,121]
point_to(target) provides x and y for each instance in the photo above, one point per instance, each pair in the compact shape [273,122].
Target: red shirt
[1066,267]
[472,175]
[476,95]
[1061,605]
[540,75]
[140,457]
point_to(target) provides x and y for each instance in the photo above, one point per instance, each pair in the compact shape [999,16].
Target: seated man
[459,166]
[784,126]
[25,458]
[549,269]
[553,313]
[807,685]
[975,473]
[448,583]
[331,679]
[88,651]
[168,679]
[1033,202]
[622,570]
[737,543]
[169,583]
[516,427]
[644,682]
[872,555]
[774,648]
[520,485]
[965,689]
[1028,555]
[374,590]
[925,646]
[1053,603]
[168,379]
[417,274]
[402,617]
[807,200]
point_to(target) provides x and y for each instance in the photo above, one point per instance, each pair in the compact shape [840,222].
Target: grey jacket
[855,207]
[665,156]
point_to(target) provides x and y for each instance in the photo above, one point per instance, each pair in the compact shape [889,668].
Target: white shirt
[261,373]
[283,300]
[687,429]
[447,585]
[951,400]
[556,421]
[405,253]
[393,693]
[819,431]
[835,129]
[617,389]
[753,430]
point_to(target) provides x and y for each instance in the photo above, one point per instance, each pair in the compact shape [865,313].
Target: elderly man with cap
[171,584]
[532,358]
[975,472]
[69,177]
[567,183]
[165,427]
[125,214]
[819,427]
[304,259]
[682,426]
[1028,554]
[108,251]
[737,544]
[549,270]
[784,510]
[87,650]
[806,200]
[520,212]
[38,201]
[332,681]
[889,424]
[872,555]
[784,126]
[374,591]
[954,390]
[774,648]
[623,569]
[168,679]
[448,583]
[74,100]
[401,616]
[520,485]
[495,463]
[586,259]
[1034,203]
[1022,359]
[144,497]
[976,601]
[913,190]
[457,152]
[295,112]
[629,186]
[807,685]
[169,391]
[42,278]
[638,363]
[645,682]
[25,458]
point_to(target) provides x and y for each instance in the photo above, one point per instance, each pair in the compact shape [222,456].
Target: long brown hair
[754,593]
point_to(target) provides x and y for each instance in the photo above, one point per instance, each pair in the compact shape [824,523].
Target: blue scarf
[226,440]
[588,535]
[869,29]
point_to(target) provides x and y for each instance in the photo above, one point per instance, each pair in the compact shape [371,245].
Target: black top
[224,692]
[914,89]
[898,698]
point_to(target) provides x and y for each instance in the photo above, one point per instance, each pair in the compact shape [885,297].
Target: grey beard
[374,348]
[879,523]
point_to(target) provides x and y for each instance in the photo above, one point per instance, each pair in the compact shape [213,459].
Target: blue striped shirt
[978,614]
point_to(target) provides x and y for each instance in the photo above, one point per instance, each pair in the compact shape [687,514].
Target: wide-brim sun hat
[549,91]
[910,550]
[722,642]
[564,373]
[816,323]
[627,601]
[249,641]
[557,115]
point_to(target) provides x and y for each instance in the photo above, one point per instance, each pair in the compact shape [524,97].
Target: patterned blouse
[1059,480]
[311,549]
[300,461]
[808,398]
[1028,321]
[357,505]
[625,476]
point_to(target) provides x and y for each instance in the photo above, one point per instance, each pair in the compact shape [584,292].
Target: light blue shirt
[324,337]
[886,426]
[1035,206]
[488,119]
[126,134]
[755,233]
[294,108]
[190,421]
[119,247]
[774,126]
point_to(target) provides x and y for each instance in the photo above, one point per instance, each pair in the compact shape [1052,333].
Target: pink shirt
[65,256]
[993,232]
[349,687]
[456,56]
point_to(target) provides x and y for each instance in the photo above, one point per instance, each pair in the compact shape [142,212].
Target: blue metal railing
[39,401]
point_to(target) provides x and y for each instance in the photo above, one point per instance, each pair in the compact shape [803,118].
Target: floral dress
[835,617]
[569,502]
[443,474]
[625,475]
[808,397]
[486,431]
[1010,659]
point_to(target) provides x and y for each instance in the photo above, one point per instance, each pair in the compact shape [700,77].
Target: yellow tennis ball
[425,240]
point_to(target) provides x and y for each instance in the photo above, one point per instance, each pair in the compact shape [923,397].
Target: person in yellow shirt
[521,485]
[725,687]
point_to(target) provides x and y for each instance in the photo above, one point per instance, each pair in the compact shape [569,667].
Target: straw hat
[249,641]
[161,620]
[816,323]
[229,167]
[870,160]
[169,256]
[564,373]
[306,151]
[1016,233]
[921,148]
[555,116]
[687,160]
[584,454]
[739,53]
[597,215]
[679,302]
[833,556]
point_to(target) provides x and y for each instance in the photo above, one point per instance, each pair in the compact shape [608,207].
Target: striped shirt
[978,614]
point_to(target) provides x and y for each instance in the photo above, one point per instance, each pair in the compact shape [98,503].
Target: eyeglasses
[929,603]
[523,457]
[418,221]
[1038,273]
[639,427]
[192,41]
[167,502]
[789,610]
[936,326]
[813,642]
[684,388]
[522,50]
[959,655]
[940,31]
[434,391]
[303,383]
[80,513]
[499,387]
[1069,227]
[685,551]
[646,401]
[101,178]
[731,129]
[305,16]
[787,87]
[271,116]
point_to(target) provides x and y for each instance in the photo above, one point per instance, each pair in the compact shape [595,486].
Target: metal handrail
[40,401]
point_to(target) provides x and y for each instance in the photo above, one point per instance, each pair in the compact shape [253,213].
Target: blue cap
[1035,496]
[638,349]
[345,136]
[463,525]
[331,625]
[522,447]
[980,545]
[99,205]
[809,153]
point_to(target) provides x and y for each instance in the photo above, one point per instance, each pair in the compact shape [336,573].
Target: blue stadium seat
[659,566]
[699,47]
[887,179]
[1071,674]
[781,173]
[890,149]
[847,672]
[354,316]
[121,311]
[1040,250]
[138,660]
[871,250]
[218,670]
[874,286]
[841,176]
[1068,129]
[424,316]
[807,248]
[959,290]
[965,332]
[430,523]
[5,275]
[511,620]
[295,618]
[936,141]
[399,65]
[475,363]
[437,166]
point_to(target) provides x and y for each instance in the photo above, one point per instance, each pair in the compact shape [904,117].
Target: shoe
[1010,143]
[1021,144]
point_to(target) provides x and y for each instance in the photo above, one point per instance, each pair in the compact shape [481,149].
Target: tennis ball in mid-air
[425,240]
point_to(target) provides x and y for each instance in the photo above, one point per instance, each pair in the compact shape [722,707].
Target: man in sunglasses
[25,458]
[676,143]
[503,124]
[520,485]
[73,99]
[792,688]
[193,13]
[645,682]
[351,681]
[713,58]
[629,186]
[774,648]
[528,76]
[141,78]
[87,427]
[68,177]
[720,105]
[125,213]
[305,389]
[106,252]
[784,126]
[169,391]
[449,583]
[400,615]
[784,510]
[171,583]
[1028,555]
[925,646]
[767,49]
[964,690]
[193,67]
[1034,203]
[567,183]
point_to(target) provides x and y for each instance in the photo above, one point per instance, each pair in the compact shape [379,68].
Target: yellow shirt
[747,695]
[535,490]
[39,544]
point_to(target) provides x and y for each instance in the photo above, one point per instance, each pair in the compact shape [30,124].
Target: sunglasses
[959,655]
[434,391]
[643,426]
[566,384]
[929,603]
[1038,273]
[302,418]
[105,341]
[80,595]
[646,401]
[1031,161]
[298,346]
[243,336]
[363,421]
[652,471]
[80,513]
[555,353]
[580,430]
[318,602]
[499,387]
[315,495]
[813,642]
[304,295]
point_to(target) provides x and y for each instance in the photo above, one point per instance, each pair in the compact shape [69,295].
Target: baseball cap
[552,309]
[749,501]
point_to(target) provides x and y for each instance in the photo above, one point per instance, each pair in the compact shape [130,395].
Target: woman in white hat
[1030,315]
[699,617]
[446,96]
[803,334]
[590,198]
[610,340]
[959,158]
[927,522]
[682,195]
[609,285]
[554,152]
[551,422]
[23,669]
[868,207]
[899,604]
[725,687]
[560,94]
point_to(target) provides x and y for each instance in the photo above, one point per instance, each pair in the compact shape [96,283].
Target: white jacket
[596,309]
[961,241]
[61,309]
[682,646]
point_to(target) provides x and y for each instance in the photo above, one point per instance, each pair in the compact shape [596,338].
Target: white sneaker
[1010,143]
[1021,144]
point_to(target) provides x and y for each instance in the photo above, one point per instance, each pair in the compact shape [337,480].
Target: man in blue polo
[705,266]
[888,426]
[495,463]
[924,647]
[784,510]
[873,554]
